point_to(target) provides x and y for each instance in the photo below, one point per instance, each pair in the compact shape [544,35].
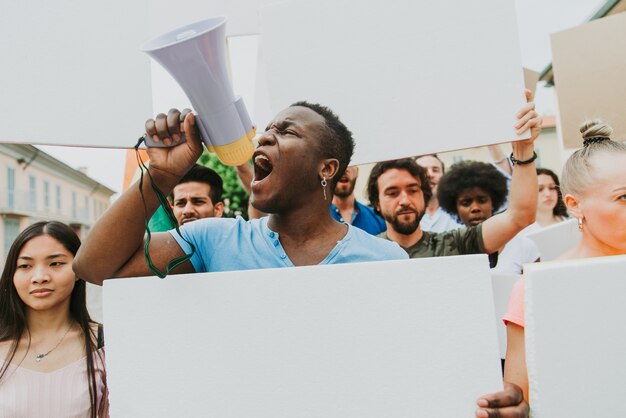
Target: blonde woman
[594,188]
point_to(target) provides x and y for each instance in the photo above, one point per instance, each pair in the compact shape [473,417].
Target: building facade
[35,186]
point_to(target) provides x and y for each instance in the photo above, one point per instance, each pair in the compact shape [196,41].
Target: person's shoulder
[5,346]
[364,208]
[380,245]
[461,232]
[213,225]
[432,236]
[453,238]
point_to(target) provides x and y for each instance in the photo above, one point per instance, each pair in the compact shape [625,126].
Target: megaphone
[194,55]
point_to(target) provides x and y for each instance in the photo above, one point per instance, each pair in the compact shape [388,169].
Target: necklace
[40,356]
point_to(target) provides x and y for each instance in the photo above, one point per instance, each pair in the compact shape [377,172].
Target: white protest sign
[502,286]
[407,78]
[575,343]
[393,339]
[73,74]
[556,239]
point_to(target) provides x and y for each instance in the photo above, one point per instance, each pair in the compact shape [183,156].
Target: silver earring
[580,224]
[324,184]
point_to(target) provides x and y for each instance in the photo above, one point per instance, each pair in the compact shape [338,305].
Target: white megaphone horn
[194,55]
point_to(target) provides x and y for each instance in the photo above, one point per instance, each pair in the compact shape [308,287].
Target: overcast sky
[536,19]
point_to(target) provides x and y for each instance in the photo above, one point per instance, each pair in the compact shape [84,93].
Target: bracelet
[500,161]
[515,161]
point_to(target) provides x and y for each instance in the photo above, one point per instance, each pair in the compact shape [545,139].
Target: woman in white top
[550,206]
[53,357]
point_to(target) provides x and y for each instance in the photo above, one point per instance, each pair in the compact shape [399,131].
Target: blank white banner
[554,240]
[575,342]
[387,339]
[72,72]
[407,78]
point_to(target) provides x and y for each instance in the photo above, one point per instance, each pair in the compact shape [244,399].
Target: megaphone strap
[172,264]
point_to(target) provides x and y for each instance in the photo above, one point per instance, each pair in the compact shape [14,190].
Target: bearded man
[345,208]
[399,190]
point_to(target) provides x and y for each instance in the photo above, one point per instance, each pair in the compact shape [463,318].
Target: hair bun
[594,131]
[594,140]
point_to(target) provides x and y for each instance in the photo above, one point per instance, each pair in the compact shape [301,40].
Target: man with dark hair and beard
[399,190]
[345,208]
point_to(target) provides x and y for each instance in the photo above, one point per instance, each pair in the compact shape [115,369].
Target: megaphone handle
[150,142]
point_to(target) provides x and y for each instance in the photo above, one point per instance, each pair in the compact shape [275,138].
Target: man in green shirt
[405,183]
[399,191]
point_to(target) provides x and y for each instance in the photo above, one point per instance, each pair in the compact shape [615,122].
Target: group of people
[303,181]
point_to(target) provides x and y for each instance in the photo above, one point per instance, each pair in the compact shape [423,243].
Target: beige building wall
[35,186]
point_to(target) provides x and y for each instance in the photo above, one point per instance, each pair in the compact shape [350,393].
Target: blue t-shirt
[236,244]
[363,217]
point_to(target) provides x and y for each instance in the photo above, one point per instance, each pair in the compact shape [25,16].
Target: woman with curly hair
[473,191]
[594,186]
[53,357]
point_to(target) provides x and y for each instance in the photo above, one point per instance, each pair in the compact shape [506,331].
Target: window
[11,187]
[11,229]
[86,209]
[46,195]
[32,192]
[58,205]
[74,205]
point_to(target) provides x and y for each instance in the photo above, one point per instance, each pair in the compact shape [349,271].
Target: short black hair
[407,164]
[202,174]
[338,143]
[560,209]
[467,175]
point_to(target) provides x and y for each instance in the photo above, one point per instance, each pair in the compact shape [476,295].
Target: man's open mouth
[262,167]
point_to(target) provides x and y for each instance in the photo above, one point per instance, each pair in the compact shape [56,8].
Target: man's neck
[346,206]
[307,234]
[402,239]
[433,205]
[344,203]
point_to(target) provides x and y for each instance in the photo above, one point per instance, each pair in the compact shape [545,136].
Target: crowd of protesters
[305,213]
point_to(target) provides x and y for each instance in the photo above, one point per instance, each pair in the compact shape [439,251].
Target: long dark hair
[13,310]
[559,210]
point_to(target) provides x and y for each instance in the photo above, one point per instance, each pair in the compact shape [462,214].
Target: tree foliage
[235,197]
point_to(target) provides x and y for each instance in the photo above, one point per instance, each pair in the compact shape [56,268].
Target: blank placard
[407,78]
[554,240]
[575,342]
[73,74]
[386,339]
